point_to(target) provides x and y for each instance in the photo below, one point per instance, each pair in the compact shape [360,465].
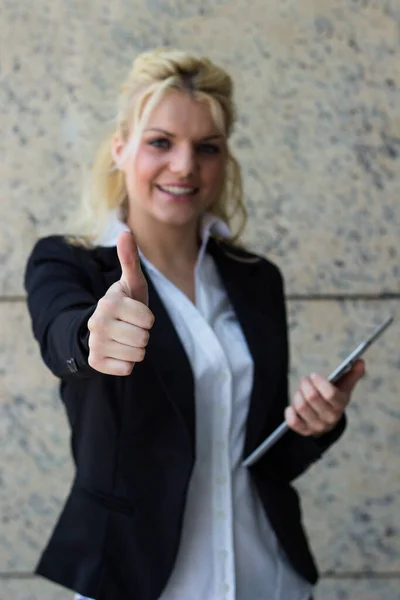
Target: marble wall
[318,92]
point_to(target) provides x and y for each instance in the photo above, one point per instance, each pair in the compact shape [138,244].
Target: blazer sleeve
[293,454]
[60,302]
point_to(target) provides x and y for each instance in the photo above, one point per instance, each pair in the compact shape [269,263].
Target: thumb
[132,279]
[348,381]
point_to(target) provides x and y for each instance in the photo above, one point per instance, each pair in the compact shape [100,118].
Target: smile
[178,190]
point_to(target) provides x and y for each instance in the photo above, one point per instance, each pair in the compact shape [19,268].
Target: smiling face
[178,170]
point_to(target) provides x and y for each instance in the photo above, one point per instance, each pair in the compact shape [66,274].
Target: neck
[168,248]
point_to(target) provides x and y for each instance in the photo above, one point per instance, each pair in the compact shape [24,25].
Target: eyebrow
[209,137]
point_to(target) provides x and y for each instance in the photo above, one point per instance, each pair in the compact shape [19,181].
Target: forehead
[183,116]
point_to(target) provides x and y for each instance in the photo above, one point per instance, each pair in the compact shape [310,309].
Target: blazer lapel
[253,299]
[170,361]
[165,352]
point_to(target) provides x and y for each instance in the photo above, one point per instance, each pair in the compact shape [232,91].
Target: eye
[162,143]
[208,149]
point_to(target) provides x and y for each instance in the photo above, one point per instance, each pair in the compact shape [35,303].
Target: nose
[183,161]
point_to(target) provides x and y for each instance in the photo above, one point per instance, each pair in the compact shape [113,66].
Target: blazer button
[72,366]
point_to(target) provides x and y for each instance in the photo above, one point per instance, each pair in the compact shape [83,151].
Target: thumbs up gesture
[119,327]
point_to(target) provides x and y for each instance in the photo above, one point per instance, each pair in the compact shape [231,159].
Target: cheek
[146,168]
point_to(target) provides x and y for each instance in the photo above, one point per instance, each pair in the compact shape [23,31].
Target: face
[178,170]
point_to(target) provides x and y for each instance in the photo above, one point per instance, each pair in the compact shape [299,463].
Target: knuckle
[93,361]
[308,390]
[301,404]
[297,425]
[151,320]
[147,319]
[329,394]
[107,304]
[335,416]
[124,368]
[97,321]
[292,418]
[144,337]
[92,322]
[331,418]
[140,354]
[295,420]
[289,417]
[102,323]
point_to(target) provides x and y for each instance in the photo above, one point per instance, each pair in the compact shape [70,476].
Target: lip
[180,185]
[188,196]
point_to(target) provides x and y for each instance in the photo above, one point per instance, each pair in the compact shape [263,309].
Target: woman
[170,342]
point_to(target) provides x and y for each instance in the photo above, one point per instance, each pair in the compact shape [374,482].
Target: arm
[79,333]
[293,453]
[60,302]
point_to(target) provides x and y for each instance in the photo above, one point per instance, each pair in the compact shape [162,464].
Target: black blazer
[133,438]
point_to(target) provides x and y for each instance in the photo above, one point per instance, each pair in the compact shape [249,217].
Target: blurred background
[318,94]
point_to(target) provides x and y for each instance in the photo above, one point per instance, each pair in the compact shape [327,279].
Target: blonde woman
[170,341]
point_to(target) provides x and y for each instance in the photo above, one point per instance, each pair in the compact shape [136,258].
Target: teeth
[178,191]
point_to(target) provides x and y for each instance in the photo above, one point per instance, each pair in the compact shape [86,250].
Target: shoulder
[56,244]
[54,254]
[59,255]
[242,255]
[60,248]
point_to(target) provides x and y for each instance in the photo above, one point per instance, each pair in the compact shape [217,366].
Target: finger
[128,334]
[329,408]
[122,352]
[102,350]
[132,277]
[110,366]
[295,422]
[114,307]
[306,412]
[348,381]
[135,313]
[327,391]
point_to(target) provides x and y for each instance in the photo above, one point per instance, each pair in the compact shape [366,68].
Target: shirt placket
[222,486]
[220,461]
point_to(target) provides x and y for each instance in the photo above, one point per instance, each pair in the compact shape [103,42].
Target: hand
[318,405]
[119,327]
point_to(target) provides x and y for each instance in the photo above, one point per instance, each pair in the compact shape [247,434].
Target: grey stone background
[318,92]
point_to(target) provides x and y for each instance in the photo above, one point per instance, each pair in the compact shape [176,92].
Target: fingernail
[313,375]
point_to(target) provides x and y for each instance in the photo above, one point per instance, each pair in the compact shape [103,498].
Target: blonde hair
[152,75]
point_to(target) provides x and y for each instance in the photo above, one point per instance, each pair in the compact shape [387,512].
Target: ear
[117,146]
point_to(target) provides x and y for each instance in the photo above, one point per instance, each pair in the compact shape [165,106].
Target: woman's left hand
[318,405]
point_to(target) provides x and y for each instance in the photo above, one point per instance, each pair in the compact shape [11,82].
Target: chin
[176,218]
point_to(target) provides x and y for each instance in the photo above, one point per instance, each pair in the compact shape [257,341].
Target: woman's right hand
[119,327]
